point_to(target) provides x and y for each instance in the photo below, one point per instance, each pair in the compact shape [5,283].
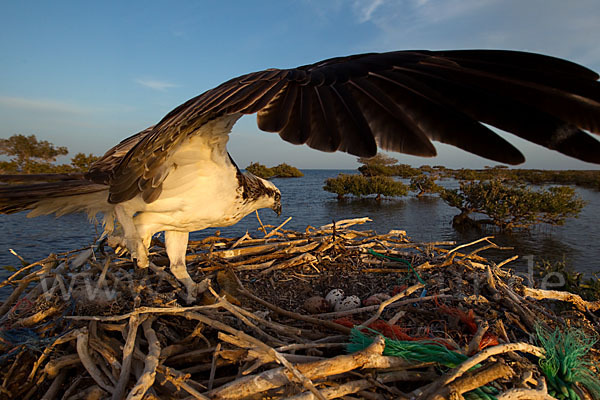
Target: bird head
[277,203]
[273,194]
[261,192]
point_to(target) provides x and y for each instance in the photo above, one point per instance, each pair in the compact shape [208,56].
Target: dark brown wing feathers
[398,100]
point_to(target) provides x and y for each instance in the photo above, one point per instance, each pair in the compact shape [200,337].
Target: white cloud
[365,9]
[553,27]
[42,105]
[439,10]
[389,14]
[155,84]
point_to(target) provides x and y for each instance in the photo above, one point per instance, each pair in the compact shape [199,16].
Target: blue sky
[86,74]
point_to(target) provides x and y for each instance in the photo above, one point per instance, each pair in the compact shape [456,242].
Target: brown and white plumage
[159,179]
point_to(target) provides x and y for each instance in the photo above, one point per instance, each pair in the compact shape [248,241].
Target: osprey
[177,176]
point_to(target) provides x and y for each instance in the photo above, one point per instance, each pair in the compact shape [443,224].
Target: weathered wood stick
[473,380]
[37,317]
[86,359]
[454,373]
[67,337]
[139,311]
[14,296]
[273,378]
[361,384]
[391,300]
[145,381]
[298,260]
[268,235]
[575,299]
[346,223]
[53,367]
[134,322]
[524,394]
[54,388]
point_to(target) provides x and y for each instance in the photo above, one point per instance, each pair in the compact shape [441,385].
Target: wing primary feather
[496,109]
[358,139]
[297,124]
[510,58]
[275,115]
[445,124]
[581,111]
[412,138]
[331,128]
[305,110]
[320,134]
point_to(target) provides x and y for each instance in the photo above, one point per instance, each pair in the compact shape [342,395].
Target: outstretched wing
[102,170]
[399,101]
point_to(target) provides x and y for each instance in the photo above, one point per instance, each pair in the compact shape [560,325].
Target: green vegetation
[382,165]
[423,184]
[280,171]
[358,185]
[27,155]
[378,159]
[511,206]
[497,192]
[259,170]
[588,179]
[563,277]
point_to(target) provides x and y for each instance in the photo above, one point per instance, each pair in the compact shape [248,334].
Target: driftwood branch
[134,322]
[145,381]
[576,300]
[270,379]
[86,359]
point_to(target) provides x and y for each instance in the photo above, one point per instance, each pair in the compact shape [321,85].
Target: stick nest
[89,325]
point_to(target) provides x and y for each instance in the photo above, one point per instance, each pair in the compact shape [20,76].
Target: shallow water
[425,219]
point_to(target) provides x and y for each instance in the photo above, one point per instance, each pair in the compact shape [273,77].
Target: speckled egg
[316,305]
[349,303]
[334,297]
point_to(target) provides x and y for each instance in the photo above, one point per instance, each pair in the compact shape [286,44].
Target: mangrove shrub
[359,186]
[280,171]
[28,155]
[511,206]
[423,184]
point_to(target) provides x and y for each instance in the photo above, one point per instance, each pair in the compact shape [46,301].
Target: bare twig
[88,363]
[146,380]
[268,235]
[134,322]
[270,379]
[391,300]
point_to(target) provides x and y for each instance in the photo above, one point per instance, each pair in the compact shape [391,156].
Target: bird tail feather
[58,194]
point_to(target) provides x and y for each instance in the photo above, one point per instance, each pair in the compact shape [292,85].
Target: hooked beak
[277,208]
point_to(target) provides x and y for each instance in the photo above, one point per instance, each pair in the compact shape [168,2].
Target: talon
[192,291]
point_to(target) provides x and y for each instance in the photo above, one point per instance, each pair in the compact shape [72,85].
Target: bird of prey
[178,177]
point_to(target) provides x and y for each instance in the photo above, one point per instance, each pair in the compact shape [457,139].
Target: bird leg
[176,244]
[133,241]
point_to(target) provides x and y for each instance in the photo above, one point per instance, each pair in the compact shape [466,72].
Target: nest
[89,325]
